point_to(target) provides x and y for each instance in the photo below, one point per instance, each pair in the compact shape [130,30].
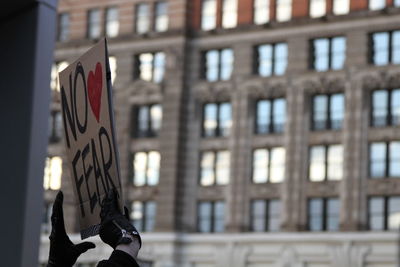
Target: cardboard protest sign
[87,111]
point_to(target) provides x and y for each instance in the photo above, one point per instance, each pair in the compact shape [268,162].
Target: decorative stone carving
[238,254]
[213,92]
[289,258]
[348,255]
[141,87]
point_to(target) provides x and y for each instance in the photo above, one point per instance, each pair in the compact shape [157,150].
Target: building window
[146,168]
[218,64]
[323,214]
[143,215]
[210,216]
[46,221]
[261,11]
[385,48]
[55,127]
[271,59]
[385,107]
[208,15]
[270,116]
[265,215]
[161,17]
[94,24]
[384,213]
[63,27]
[341,7]
[283,10]
[215,168]
[327,112]
[52,173]
[148,120]
[396,3]
[142,18]
[55,69]
[229,13]
[376,4]
[268,165]
[113,68]
[317,8]
[217,119]
[112,22]
[329,53]
[326,163]
[151,66]
[384,159]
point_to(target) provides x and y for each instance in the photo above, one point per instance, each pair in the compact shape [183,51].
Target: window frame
[329,121]
[61,28]
[313,57]
[389,111]
[269,150]
[371,50]
[89,24]
[267,214]
[133,174]
[156,16]
[149,133]
[387,161]
[218,129]
[272,125]
[204,69]
[136,17]
[326,162]
[214,167]
[105,26]
[143,220]
[325,213]
[212,215]
[53,137]
[137,64]
[256,59]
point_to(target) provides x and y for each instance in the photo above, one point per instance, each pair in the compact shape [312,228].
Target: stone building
[250,132]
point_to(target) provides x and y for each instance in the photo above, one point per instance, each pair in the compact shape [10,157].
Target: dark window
[142,18]
[323,214]
[270,116]
[214,168]
[218,64]
[146,168]
[271,59]
[94,24]
[55,127]
[112,22]
[150,67]
[385,107]
[148,120]
[326,163]
[384,159]
[63,27]
[217,119]
[161,17]
[327,112]
[385,48]
[143,215]
[328,53]
[265,215]
[269,165]
[384,213]
[47,210]
[210,216]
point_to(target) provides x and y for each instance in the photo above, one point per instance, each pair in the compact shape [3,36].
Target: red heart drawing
[95,85]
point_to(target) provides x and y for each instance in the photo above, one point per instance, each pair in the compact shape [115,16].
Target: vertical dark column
[26,49]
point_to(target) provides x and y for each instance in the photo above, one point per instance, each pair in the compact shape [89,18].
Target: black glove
[115,228]
[63,253]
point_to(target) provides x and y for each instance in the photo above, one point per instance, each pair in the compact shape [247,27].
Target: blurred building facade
[250,133]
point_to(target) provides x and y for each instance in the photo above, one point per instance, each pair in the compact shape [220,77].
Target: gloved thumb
[85,246]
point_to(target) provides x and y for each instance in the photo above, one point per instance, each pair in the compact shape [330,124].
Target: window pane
[210,120]
[261,11]
[153,168]
[222,167]
[204,217]
[320,110]
[377,160]
[52,173]
[317,163]
[229,13]
[150,216]
[283,10]
[279,115]
[260,166]
[263,116]
[225,119]
[137,215]
[335,162]
[207,169]
[113,68]
[337,111]
[280,58]
[395,47]
[156,118]
[395,106]
[341,7]
[396,2]
[376,4]
[63,27]
[315,215]
[146,61]
[94,23]
[394,213]
[394,161]
[265,60]
[143,121]
[139,166]
[274,212]
[317,8]
[208,15]
[258,208]
[338,53]
[159,67]
[112,23]
[379,108]
[142,18]
[321,54]
[333,206]
[277,165]
[161,21]
[219,215]
[212,65]
[380,48]
[58,127]
[226,64]
[376,209]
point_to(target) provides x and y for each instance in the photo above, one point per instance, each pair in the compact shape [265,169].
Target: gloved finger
[126,213]
[57,216]
[83,247]
[109,205]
